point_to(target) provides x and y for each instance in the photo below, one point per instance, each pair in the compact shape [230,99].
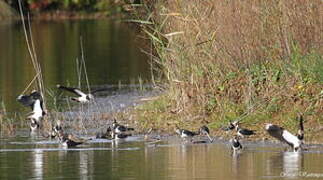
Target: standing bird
[285,136]
[235,144]
[82,97]
[117,136]
[119,129]
[242,132]
[204,130]
[185,133]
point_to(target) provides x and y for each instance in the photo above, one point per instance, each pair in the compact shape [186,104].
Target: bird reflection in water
[285,164]
[38,163]
[84,164]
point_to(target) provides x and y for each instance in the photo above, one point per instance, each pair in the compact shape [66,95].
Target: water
[28,158]
[112,55]
[111,49]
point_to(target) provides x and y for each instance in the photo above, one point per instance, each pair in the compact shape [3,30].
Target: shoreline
[205,86]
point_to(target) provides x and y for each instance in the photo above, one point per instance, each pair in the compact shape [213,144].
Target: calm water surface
[111,49]
[24,158]
[112,54]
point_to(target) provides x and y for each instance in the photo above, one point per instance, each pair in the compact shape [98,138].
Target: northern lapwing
[119,129]
[285,136]
[183,133]
[242,132]
[35,101]
[231,126]
[235,144]
[204,130]
[82,97]
[37,113]
[68,140]
[117,136]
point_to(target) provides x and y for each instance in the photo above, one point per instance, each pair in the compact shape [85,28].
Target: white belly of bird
[83,99]
[117,131]
[290,138]
[183,135]
[37,111]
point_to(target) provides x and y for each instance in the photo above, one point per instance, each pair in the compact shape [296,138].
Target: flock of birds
[283,135]
[34,100]
[117,131]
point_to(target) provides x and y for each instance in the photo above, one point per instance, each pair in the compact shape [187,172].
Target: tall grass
[33,54]
[224,60]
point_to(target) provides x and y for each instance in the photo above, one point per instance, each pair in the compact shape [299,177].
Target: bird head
[177,129]
[268,125]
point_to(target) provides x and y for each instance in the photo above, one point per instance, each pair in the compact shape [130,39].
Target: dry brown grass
[257,60]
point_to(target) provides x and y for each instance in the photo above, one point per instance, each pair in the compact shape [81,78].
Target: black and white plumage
[235,144]
[34,125]
[185,133]
[29,100]
[231,126]
[283,135]
[242,132]
[119,129]
[37,112]
[35,101]
[204,130]
[82,97]
[117,136]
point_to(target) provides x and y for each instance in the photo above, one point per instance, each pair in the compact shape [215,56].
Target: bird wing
[247,131]
[290,138]
[190,133]
[121,128]
[72,90]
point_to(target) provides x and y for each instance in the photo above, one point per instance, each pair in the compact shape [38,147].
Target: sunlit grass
[258,61]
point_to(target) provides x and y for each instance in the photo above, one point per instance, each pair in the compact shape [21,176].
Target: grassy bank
[258,61]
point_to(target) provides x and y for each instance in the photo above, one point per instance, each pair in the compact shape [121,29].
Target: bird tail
[130,129]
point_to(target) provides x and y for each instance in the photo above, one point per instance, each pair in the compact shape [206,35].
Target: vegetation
[5,10]
[74,8]
[254,61]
